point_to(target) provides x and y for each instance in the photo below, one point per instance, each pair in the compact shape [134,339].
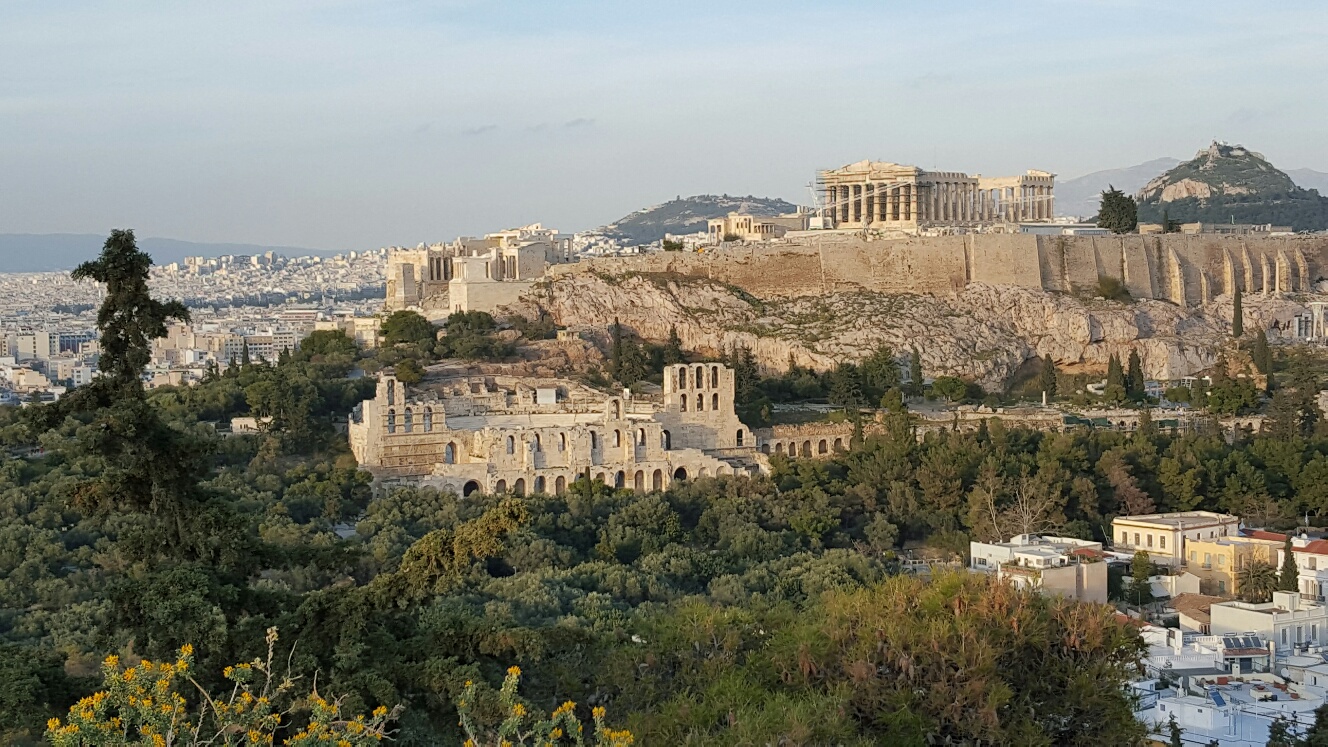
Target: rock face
[982,332]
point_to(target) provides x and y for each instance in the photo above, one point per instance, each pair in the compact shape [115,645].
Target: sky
[338,124]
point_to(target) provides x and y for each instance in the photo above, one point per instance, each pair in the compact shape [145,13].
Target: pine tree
[1289,578]
[1134,380]
[915,373]
[1117,212]
[1237,316]
[1047,379]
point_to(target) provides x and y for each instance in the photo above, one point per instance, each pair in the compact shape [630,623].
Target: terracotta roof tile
[1263,535]
[1315,547]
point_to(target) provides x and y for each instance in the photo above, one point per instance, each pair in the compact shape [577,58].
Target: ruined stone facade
[499,434]
[472,274]
[1183,269]
[879,195]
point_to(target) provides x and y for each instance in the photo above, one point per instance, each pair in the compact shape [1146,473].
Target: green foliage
[1238,316]
[472,335]
[1047,377]
[540,328]
[409,372]
[670,245]
[1257,581]
[327,344]
[1118,211]
[407,327]
[1262,354]
[1113,290]
[1141,569]
[1289,578]
[673,352]
[950,388]
[1134,377]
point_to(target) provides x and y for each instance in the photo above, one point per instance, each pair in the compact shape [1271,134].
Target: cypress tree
[1237,316]
[1289,578]
[244,355]
[673,348]
[615,349]
[1134,381]
[1047,379]
[915,373]
[1262,354]
[1115,376]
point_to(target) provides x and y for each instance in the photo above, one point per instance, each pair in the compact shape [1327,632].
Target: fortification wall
[1186,270]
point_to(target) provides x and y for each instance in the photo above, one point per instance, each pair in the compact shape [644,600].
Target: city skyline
[345,125]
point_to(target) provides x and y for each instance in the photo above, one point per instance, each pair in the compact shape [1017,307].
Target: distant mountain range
[687,215]
[24,252]
[1080,196]
[1230,182]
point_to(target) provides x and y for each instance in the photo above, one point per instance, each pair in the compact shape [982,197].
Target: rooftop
[1181,518]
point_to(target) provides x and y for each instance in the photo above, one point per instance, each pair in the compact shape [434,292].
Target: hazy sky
[344,125]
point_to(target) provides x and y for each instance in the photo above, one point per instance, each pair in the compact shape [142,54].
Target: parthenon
[891,196]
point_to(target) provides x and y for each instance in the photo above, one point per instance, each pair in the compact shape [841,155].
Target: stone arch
[738,437]
[617,409]
[682,402]
[391,421]
[680,473]
[511,444]
[617,437]
[594,440]
[714,402]
[779,447]
[539,484]
[666,440]
[539,443]
[600,477]
[449,453]
[822,447]
[640,436]
[519,487]
[562,442]
[559,485]
[410,421]
[700,403]
[470,487]
[722,470]
[839,445]
[500,487]
[657,480]
[682,377]
[619,479]
[639,482]
[700,377]
[765,448]
[806,448]
[391,392]
[703,472]
[714,377]
[428,420]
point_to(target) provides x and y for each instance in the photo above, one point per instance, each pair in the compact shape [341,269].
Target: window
[1208,560]
[714,377]
[594,441]
[539,444]
[700,377]
[1312,564]
[1314,632]
[1150,540]
[682,378]
[1162,541]
[1221,586]
[740,437]
[714,402]
[410,420]
[562,442]
[700,402]
[683,401]
[1125,538]
[428,419]
[511,445]
[1136,539]
[1284,636]
[1221,560]
[617,438]
[1193,556]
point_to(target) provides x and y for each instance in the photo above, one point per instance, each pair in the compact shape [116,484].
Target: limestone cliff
[982,332]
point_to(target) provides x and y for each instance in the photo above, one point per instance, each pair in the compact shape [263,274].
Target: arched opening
[539,444]
[714,402]
[600,477]
[839,445]
[410,420]
[683,403]
[519,487]
[657,480]
[779,448]
[714,377]
[703,472]
[822,447]
[511,445]
[765,448]
[806,448]
[619,479]
[721,471]
[700,377]
[449,454]
[617,409]
[680,473]
[594,440]
[391,392]
[559,485]
[539,485]
[428,420]
[391,421]
[639,482]
[700,402]
[562,442]
[617,438]
[470,487]
[682,377]
[500,487]
[667,440]
[640,436]
[739,437]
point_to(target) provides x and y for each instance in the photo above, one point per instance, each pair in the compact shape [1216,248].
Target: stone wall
[1183,269]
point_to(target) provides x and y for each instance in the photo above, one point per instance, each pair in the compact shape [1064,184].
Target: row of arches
[700,402]
[804,448]
[408,422]
[698,377]
[665,440]
[540,485]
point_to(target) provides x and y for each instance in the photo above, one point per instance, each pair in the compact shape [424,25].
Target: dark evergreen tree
[616,350]
[245,361]
[1117,212]
[846,387]
[1047,377]
[1115,390]
[1289,577]
[673,353]
[1134,378]
[914,374]
[1262,355]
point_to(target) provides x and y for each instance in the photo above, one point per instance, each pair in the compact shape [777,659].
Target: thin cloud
[579,122]
[471,131]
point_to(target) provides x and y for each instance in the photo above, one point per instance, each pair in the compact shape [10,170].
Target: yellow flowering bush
[142,706]
[523,726]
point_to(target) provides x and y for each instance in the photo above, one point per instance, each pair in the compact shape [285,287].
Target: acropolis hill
[1183,269]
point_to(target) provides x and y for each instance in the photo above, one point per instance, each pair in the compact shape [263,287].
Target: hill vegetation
[1229,183]
[685,215]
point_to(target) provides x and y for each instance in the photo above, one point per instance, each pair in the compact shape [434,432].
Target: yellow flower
[112,661]
[53,724]
[518,710]
[514,671]
[597,712]
[556,733]
[380,711]
[187,649]
[129,675]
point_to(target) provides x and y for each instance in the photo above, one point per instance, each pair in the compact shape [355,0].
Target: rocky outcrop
[982,332]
